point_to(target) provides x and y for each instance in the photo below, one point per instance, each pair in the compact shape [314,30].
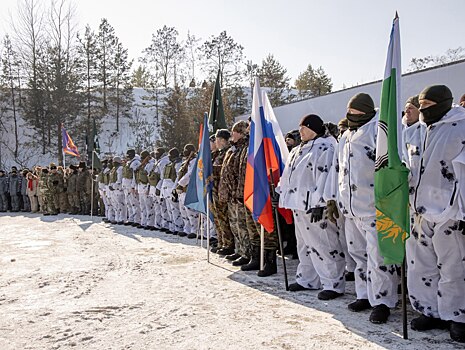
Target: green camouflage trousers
[73,200]
[223,228]
[49,203]
[238,228]
[254,228]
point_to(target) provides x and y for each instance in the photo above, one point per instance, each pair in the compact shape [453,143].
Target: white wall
[332,107]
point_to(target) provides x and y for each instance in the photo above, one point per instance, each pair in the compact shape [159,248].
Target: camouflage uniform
[3,191]
[222,197]
[229,193]
[53,183]
[71,190]
[62,195]
[84,188]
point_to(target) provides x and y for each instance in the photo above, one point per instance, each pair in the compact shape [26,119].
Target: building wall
[332,107]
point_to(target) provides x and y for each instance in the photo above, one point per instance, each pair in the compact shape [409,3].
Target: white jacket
[356,166]
[412,136]
[303,180]
[439,191]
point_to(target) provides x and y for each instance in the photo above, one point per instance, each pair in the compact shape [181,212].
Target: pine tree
[164,52]
[88,50]
[223,53]
[313,82]
[106,41]
[141,77]
[176,124]
[273,75]
[11,67]
[121,96]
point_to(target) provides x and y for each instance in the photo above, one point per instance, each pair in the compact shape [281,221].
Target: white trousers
[320,254]
[374,280]
[436,269]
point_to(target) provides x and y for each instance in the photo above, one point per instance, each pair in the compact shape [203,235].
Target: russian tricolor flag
[267,153]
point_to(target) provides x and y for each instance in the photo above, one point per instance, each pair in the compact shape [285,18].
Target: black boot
[254,263]
[457,331]
[270,267]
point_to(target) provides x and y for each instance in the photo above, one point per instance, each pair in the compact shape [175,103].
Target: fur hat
[82,165]
[414,101]
[240,127]
[223,133]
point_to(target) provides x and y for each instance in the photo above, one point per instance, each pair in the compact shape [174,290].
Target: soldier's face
[412,114]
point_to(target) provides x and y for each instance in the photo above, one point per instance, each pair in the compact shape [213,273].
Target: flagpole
[92,187]
[403,284]
[208,227]
[64,161]
[278,229]
[201,231]
[262,248]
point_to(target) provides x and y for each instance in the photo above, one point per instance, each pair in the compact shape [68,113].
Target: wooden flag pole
[278,230]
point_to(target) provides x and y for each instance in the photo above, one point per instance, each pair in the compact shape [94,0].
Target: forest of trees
[51,74]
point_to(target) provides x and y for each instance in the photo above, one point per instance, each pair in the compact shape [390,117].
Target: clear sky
[348,38]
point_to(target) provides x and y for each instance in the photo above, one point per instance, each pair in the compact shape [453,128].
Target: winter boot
[380,314]
[254,263]
[241,261]
[457,331]
[426,323]
[359,305]
[270,267]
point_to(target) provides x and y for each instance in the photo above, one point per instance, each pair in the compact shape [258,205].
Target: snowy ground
[75,283]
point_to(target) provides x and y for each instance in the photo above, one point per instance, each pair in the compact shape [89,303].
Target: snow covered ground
[72,282]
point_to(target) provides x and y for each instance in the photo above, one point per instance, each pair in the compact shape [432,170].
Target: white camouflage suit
[189,216]
[356,176]
[301,187]
[436,247]
[167,187]
[145,201]
[161,211]
[117,209]
[130,192]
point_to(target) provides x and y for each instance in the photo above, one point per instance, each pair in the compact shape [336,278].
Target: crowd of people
[327,183]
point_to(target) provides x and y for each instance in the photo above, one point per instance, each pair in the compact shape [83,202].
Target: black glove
[275,200]
[65,189]
[157,192]
[316,214]
[462,226]
[174,196]
[111,188]
[55,182]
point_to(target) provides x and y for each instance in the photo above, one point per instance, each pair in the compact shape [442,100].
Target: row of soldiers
[48,190]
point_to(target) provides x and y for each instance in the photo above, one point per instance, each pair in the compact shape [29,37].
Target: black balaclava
[131,153]
[173,154]
[188,149]
[363,103]
[159,152]
[440,94]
